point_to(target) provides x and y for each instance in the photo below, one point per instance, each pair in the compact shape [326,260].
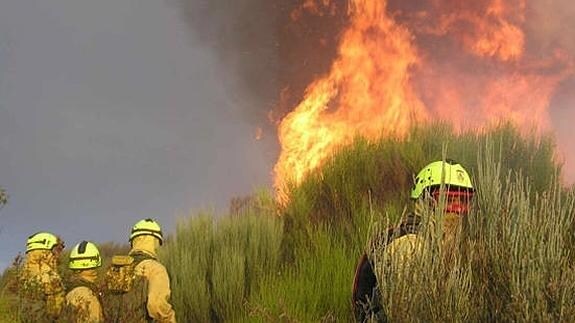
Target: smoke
[563,115]
[275,48]
[550,25]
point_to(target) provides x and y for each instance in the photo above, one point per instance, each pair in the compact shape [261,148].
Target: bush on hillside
[216,264]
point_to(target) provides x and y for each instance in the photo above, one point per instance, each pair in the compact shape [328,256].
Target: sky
[112,111]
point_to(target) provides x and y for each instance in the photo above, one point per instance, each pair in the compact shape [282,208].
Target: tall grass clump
[511,260]
[216,264]
[314,288]
[524,236]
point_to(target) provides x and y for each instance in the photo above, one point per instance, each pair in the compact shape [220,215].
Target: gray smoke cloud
[273,46]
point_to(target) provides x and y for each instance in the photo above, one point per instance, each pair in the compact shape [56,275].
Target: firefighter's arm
[159,292]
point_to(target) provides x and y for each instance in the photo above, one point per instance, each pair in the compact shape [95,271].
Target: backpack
[366,296]
[125,294]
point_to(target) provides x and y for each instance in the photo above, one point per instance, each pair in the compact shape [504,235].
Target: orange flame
[390,74]
[366,89]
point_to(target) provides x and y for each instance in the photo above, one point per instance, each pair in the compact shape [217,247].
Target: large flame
[367,87]
[458,61]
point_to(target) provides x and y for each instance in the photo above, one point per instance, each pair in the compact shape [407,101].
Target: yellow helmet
[447,172]
[43,241]
[85,255]
[147,227]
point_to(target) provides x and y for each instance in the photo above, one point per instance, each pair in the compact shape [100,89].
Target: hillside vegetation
[301,267]
[295,262]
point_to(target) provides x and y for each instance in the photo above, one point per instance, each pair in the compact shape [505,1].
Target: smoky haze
[551,24]
[279,47]
[274,46]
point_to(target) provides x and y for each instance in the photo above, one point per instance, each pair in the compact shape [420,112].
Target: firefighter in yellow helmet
[145,238]
[427,195]
[440,183]
[82,300]
[41,290]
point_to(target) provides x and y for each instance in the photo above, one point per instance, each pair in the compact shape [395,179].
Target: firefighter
[41,291]
[402,243]
[146,237]
[82,300]
[426,194]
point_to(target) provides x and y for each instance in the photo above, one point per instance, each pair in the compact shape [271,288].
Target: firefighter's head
[147,227]
[85,255]
[45,241]
[450,176]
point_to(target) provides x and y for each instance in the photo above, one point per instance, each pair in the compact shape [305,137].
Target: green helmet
[85,255]
[447,172]
[147,227]
[43,241]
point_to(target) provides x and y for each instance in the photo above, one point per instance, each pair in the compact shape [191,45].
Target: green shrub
[215,264]
[315,288]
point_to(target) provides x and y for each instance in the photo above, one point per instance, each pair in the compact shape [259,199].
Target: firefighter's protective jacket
[82,300]
[402,249]
[41,288]
[156,275]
